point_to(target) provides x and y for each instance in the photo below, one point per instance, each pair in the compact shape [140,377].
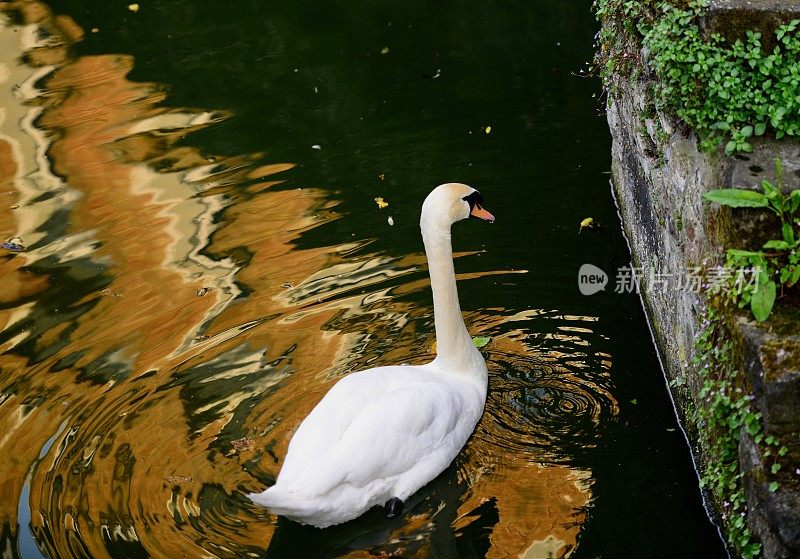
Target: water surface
[194,185]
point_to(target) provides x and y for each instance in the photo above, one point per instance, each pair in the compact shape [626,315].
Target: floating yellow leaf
[133,7]
[381,202]
[488,130]
[587,223]
[385,50]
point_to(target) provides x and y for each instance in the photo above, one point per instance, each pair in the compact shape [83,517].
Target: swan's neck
[454,348]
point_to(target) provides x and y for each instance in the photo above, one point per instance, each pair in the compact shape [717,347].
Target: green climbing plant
[726,91]
[725,411]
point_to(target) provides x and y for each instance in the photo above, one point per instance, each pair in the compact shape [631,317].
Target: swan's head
[453,201]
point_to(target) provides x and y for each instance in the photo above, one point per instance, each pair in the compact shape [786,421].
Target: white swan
[379,435]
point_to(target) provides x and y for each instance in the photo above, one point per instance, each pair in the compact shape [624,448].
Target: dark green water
[294,75]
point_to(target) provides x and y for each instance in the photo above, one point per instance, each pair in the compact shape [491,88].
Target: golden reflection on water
[156,360]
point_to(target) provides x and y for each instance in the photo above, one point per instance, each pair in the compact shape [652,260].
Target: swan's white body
[385,432]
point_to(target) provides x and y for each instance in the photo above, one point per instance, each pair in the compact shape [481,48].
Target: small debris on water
[203,290]
[381,202]
[385,50]
[178,479]
[12,246]
[316,146]
[245,443]
[390,221]
[95,30]
[589,223]
[133,7]
[381,176]
[399,552]
[14,206]
[287,285]
[488,130]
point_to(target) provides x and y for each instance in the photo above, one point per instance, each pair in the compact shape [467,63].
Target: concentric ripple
[539,405]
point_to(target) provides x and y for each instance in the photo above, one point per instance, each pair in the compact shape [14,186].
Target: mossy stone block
[732,18]
[772,362]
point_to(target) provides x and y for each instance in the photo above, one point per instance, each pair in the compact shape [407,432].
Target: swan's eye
[472,199]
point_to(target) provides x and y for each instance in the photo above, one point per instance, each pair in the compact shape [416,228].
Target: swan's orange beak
[480,213]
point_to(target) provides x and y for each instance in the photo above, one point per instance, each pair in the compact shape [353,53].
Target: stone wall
[659,178]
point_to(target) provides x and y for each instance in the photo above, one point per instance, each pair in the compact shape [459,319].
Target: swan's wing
[394,433]
[386,437]
[322,428]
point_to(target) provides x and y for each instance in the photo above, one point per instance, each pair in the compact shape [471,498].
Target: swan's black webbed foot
[394,507]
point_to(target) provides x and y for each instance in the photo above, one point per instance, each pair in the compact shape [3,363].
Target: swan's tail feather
[283,503]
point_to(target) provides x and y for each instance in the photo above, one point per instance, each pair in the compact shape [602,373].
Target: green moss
[780,355]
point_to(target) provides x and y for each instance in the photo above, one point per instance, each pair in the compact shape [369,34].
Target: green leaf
[773,487]
[788,233]
[761,127]
[780,245]
[762,301]
[747,131]
[794,200]
[480,341]
[770,190]
[737,252]
[737,198]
